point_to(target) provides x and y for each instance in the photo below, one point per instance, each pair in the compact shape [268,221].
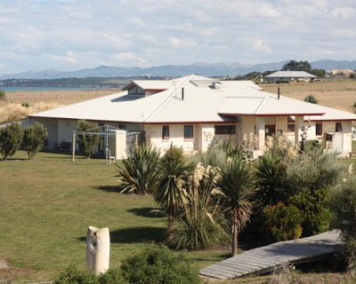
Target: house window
[165,132]
[225,129]
[188,131]
[318,129]
[338,127]
[291,128]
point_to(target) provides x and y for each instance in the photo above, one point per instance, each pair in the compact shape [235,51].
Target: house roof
[290,74]
[203,100]
[150,84]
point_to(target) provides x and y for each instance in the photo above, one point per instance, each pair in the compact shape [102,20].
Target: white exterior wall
[347,137]
[203,136]
[176,137]
[65,130]
[281,124]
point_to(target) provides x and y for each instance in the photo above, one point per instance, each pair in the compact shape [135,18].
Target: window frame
[319,129]
[227,126]
[338,127]
[192,132]
[291,126]
[165,137]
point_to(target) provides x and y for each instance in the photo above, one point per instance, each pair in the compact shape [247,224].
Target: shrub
[311,99]
[283,222]
[72,275]
[33,139]
[25,104]
[2,95]
[88,143]
[157,264]
[10,139]
[139,172]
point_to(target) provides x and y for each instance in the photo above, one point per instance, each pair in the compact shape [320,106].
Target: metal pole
[73,147]
[106,145]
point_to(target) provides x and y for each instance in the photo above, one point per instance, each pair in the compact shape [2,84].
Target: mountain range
[213,69]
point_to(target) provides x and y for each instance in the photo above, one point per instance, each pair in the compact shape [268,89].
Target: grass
[12,109]
[336,94]
[48,203]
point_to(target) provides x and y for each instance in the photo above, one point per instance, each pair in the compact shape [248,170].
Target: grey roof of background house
[291,74]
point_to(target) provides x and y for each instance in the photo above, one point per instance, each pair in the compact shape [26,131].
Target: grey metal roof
[291,74]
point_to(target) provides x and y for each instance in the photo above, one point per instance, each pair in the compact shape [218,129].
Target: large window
[165,132]
[225,129]
[318,129]
[338,127]
[188,132]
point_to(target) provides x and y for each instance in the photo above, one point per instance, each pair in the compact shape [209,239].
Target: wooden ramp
[266,259]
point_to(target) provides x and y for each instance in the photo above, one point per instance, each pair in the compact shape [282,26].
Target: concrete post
[98,250]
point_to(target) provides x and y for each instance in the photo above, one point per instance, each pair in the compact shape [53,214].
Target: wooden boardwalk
[266,259]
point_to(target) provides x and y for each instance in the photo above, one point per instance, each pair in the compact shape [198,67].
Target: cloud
[185,42]
[259,45]
[72,34]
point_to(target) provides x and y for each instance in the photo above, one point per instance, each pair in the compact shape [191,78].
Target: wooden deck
[266,259]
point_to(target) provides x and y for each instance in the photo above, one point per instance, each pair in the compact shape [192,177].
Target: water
[39,89]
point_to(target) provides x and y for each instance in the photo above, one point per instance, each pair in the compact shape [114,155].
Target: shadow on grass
[109,188]
[136,235]
[146,212]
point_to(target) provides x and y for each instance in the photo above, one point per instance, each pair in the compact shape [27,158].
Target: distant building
[288,76]
[341,72]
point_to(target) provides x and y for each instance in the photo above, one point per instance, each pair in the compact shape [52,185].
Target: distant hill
[214,69]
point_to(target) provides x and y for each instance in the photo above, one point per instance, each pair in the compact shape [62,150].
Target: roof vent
[215,85]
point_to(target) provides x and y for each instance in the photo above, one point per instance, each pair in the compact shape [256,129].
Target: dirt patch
[7,274]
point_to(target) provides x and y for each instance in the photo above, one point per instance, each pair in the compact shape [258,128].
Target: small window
[188,131]
[318,129]
[291,128]
[165,132]
[122,126]
[338,127]
[225,129]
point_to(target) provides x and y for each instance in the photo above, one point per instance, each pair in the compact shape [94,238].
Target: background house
[289,76]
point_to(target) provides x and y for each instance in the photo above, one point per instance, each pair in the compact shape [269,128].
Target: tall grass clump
[139,172]
[201,224]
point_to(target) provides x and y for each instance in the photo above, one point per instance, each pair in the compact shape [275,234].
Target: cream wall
[204,135]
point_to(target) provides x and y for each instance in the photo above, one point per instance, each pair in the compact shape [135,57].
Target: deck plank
[266,259]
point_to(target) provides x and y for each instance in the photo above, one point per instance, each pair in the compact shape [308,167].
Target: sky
[74,34]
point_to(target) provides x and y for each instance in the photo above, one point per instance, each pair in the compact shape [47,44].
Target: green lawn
[47,205]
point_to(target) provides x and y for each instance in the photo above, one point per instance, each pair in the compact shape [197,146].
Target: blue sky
[74,34]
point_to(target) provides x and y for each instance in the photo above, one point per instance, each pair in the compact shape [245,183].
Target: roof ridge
[161,105]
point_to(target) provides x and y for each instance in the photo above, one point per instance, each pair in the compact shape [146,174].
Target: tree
[170,193]
[320,73]
[10,139]
[2,95]
[311,99]
[33,139]
[139,172]
[88,142]
[297,66]
[270,180]
[236,183]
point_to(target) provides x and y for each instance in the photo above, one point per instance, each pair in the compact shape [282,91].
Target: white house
[193,111]
[288,76]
